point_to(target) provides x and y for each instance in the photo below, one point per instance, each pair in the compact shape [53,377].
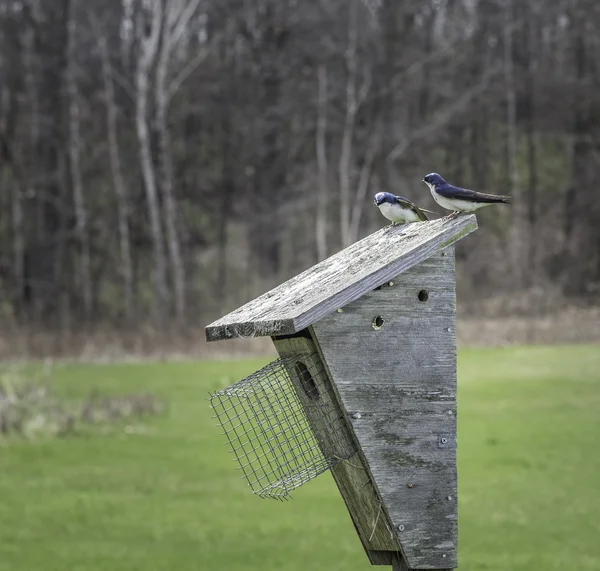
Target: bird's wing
[405,203]
[453,192]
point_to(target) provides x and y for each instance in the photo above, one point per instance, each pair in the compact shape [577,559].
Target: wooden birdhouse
[365,386]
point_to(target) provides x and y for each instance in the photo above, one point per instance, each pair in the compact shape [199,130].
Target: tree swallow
[459,199]
[398,209]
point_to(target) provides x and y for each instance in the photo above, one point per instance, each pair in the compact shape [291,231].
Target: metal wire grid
[265,418]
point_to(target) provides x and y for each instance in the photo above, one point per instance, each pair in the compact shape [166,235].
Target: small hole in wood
[423,295]
[306,380]
[378,322]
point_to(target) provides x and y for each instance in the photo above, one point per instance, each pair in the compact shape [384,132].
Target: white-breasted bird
[398,209]
[459,199]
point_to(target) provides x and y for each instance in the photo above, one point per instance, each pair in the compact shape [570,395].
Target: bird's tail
[422,216]
[495,198]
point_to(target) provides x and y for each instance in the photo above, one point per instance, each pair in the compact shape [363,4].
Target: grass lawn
[165,495]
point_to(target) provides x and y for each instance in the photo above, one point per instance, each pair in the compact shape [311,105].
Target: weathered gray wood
[365,507]
[398,564]
[380,557]
[340,279]
[398,386]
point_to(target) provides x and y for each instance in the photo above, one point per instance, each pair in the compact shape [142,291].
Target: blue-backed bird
[459,199]
[398,209]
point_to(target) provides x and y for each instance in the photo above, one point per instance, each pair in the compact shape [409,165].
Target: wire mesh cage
[283,425]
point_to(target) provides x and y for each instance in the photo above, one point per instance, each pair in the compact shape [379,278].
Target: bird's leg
[452,215]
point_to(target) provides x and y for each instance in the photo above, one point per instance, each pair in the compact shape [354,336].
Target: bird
[459,199]
[398,209]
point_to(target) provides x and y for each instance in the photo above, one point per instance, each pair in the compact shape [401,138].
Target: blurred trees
[172,158]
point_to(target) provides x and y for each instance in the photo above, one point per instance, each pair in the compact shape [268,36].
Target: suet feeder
[365,386]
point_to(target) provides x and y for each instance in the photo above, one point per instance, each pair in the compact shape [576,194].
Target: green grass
[166,496]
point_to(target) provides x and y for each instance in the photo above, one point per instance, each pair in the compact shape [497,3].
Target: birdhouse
[365,386]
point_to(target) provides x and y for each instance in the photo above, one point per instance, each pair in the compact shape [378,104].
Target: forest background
[164,161]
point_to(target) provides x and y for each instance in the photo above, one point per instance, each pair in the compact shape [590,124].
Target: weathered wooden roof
[340,279]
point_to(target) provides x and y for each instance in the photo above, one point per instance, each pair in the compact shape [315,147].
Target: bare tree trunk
[10,178]
[581,202]
[28,183]
[11,182]
[345,162]
[227,192]
[178,14]
[531,146]
[148,51]
[174,248]
[221,284]
[18,240]
[321,150]
[363,182]
[127,34]
[75,165]
[512,141]
[118,180]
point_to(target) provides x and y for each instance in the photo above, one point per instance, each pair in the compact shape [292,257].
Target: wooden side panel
[392,357]
[351,477]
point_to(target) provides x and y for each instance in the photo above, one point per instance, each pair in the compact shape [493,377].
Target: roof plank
[340,279]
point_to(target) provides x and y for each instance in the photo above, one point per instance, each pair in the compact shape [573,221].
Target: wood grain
[340,279]
[397,384]
[398,564]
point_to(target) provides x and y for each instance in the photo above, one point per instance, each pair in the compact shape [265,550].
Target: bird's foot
[451,216]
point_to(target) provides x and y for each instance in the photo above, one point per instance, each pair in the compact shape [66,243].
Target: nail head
[401,527]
